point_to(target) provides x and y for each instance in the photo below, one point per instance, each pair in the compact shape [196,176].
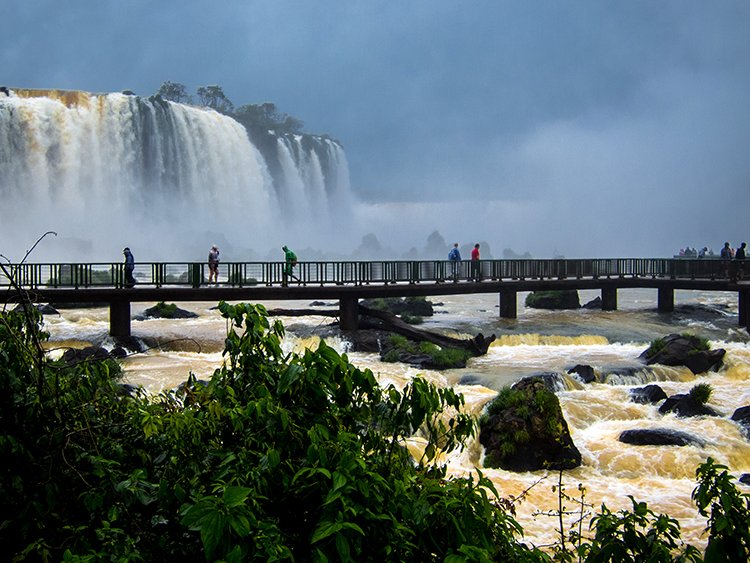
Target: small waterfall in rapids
[109,170]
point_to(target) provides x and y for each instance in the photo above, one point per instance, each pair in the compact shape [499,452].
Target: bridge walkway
[349,281]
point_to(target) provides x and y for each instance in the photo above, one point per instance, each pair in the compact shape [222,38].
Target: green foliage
[265,117]
[412,319]
[165,310]
[174,92]
[404,306]
[637,535]
[655,347]
[727,510]
[399,347]
[214,98]
[278,457]
[530,412]
[701,393]
[700,344]
[553,299]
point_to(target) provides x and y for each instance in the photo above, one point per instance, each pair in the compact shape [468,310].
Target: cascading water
[110,170]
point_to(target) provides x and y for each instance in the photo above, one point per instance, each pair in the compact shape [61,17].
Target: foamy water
[538,341]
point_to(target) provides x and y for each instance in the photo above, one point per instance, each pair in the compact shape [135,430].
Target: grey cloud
[590,105]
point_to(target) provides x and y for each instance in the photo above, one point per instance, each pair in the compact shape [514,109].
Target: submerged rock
[648,394]
[585,373]
[163,311]
[684,350]
[559,299]
[659,437]
[413,306]
[89,353]
[742,416]
[682,404]
[595,303]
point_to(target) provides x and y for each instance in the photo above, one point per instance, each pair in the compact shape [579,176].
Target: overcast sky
[590,127]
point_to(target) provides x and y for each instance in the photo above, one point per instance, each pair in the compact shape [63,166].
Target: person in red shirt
[475,263]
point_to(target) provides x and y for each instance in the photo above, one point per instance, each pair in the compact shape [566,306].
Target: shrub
[701,393]
[279,456]
[655,347]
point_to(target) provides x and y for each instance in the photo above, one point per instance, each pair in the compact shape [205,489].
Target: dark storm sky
[595,120]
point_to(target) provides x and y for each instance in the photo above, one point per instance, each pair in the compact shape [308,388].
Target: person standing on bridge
[726,256]
[129,267]
[290,261]
[455,257]
[213,264]
[475,275]
[739,266]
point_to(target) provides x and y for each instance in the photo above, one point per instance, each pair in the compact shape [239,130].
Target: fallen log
[383,320]
[303,312]
[374,319]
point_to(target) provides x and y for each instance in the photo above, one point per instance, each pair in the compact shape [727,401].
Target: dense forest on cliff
[255,117]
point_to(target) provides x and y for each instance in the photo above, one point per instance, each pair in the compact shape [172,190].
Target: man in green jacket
[290,261]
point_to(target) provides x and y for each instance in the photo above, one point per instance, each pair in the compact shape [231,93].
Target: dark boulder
[585,373]
[649,394]
[682,404]
[659,437]
[471,379]
[89,353]
[413,306]
[558,299]
[131,343]
[128,389]
[118,352]
[683,350]
[742,416]
[365,340]
[43,308]
[163,311]
[745,479]
[528,431]
[552,380]
[595,303]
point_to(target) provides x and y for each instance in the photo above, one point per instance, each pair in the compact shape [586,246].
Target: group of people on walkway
[734,266]
[454,256]
[734,263]
[290,261]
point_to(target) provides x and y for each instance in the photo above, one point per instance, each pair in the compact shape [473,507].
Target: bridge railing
[244,274]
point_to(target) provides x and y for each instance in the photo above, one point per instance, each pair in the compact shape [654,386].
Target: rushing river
[538,341]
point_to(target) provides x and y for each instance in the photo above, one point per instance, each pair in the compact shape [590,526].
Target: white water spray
[166,179]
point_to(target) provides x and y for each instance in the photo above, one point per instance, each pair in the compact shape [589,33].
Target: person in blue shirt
[455,257]
[129,267]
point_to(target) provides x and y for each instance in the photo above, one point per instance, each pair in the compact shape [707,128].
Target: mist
[586,129]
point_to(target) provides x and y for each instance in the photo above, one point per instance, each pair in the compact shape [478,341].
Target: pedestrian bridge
[349,281]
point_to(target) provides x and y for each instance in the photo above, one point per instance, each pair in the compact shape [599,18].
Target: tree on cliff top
[174,92]
[214,98]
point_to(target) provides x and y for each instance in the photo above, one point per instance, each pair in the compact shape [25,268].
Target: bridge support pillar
[665,300]
[348,313]
[609,299]
[744,309]
[119,318]
[508,303]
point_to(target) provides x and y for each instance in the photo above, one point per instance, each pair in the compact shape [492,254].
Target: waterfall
[110,170]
